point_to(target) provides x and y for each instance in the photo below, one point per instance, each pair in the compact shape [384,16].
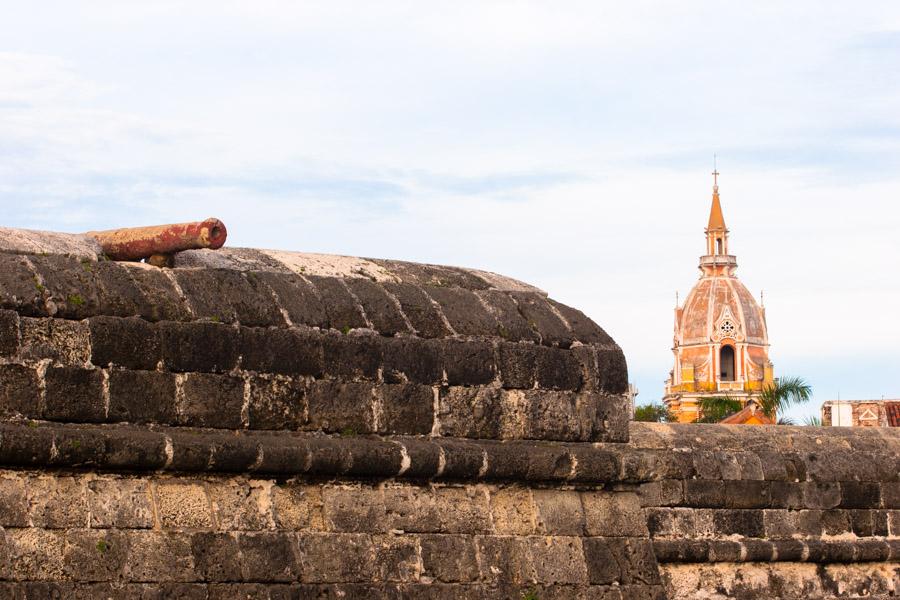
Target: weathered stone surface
[341,407]
[74,395]
[382,310]
[58,340]
[280,351]
[228,296]
[277,403]
[20,392]
[473,412]
[183,505]
[406,409]
[142,397]
[423,314]
[463,310]
[131,343]
[69,286]
[297,297]
[199,347]
[9,333]
[211,400]
[344,312]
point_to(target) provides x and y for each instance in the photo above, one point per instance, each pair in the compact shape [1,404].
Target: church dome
[720,308]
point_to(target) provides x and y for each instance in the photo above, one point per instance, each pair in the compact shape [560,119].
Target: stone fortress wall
[258,424]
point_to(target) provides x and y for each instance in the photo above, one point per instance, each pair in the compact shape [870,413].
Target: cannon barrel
[137,243]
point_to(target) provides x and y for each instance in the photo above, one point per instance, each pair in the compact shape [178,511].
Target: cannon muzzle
[138,243]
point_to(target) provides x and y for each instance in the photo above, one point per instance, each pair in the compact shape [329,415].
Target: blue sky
[568,145]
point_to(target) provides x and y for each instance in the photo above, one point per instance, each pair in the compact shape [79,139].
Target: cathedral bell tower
[721,343]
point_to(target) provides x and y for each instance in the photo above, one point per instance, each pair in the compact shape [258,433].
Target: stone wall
[257,424]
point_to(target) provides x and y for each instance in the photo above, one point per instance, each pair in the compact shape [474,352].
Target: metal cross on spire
[715,173]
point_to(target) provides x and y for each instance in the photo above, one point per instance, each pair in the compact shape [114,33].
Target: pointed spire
[716,218]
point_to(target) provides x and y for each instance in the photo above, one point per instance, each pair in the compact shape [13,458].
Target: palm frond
[812,421]
[783,393]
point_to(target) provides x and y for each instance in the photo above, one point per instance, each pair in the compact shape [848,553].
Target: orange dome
[719,308]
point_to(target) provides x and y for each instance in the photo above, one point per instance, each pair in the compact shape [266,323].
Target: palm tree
[812,421]
[783,393]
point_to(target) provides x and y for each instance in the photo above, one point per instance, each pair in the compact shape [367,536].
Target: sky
[567,144]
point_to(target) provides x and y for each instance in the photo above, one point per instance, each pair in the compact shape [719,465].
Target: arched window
[726,363]
[719,246]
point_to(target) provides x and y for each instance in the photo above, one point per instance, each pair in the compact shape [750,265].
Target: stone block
[268,556]
[36,554]
[119,503]
[504,559]
[464,311]
[512,325]
[595,465]
[463,509]
[422,313]
[74,395]
[160,557]
[890,494]
[142,397]
[240,506]
[468,363]
[636,561]
[131,343]
[406,409]
[558,560]
[835,522]
[449,558]
[602,564]
[20,392]
[69,286]
[277,403]
[544,319]
[462,459]
[159,300]
[13,502]
[199,347]
[20,289]
[396,558]
[747,494]
[9,333]
[821,494]
[860,494]
[557,369]
[344,312]
[95,555]
[553,416]
[215,556]
[336,557]
[297,507]
[182,505]
[411,509]
[513,511]
[411,360]
[297,297]
[517,364]
[281,351]
[613,514]
[664,492]
[58,340]
[351,357]
[228,296]
[786,494]
[382,310]
[341,407]
[472,412]
[748,523]
[703,493]
[211,400]
[354,509]
[559,512]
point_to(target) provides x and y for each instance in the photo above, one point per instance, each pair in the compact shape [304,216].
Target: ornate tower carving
[721,344]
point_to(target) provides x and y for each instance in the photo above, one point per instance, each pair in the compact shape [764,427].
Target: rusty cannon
[157,244]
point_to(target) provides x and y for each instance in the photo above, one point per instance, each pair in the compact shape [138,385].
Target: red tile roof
[893,413]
